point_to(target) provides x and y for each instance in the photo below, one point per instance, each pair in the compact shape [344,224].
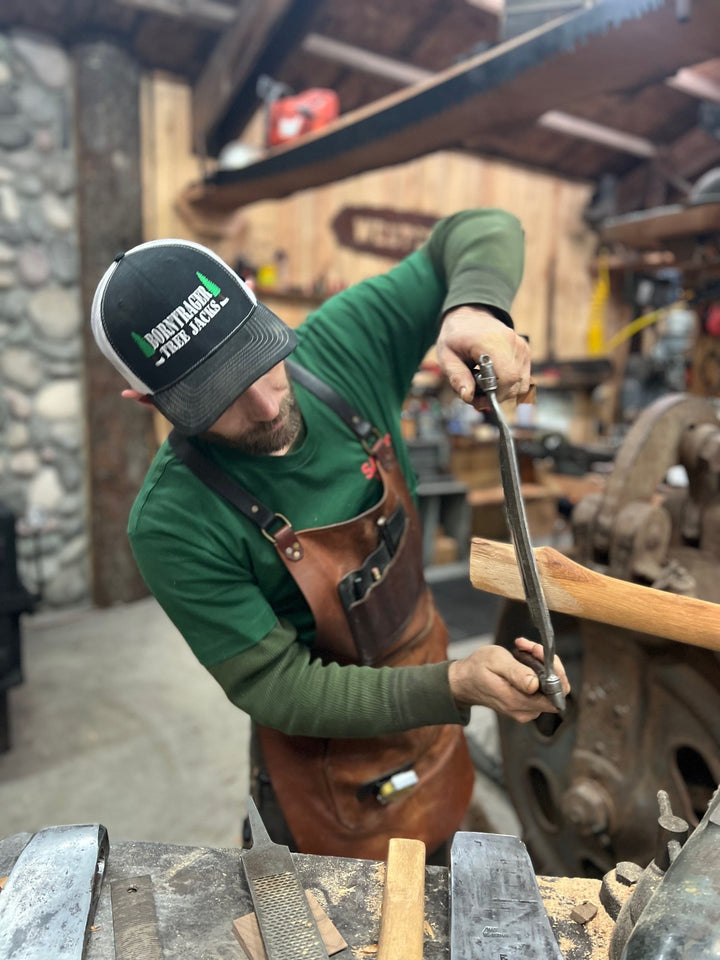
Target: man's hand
[467,333]
[492,677]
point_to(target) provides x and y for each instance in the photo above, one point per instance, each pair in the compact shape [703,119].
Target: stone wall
[42,462]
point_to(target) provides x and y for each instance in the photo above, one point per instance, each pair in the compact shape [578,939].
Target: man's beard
[268,438]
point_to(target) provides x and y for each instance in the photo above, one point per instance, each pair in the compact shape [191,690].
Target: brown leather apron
[328,788]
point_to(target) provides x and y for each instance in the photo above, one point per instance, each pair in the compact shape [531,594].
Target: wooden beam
[119,434]
[232,62]
[686,159]
[258,41]
[596,133]
[201,13]
[513,83]
[359,59]
[695,85]
[489,6]
[406,73]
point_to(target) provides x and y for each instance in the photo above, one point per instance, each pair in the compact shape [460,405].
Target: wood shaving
[369,951]
[590,941]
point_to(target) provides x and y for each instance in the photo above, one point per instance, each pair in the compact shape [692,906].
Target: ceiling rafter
[695,84]
[563,122]
[204,13]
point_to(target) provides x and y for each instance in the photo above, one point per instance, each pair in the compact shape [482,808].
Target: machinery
[644,714]
[672,909]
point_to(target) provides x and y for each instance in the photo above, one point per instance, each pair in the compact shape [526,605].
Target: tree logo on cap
[147,349]
[211,287]
[208,284]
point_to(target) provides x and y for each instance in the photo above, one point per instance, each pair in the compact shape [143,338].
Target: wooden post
[119,432]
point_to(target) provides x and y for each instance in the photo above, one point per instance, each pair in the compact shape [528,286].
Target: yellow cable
[646,320]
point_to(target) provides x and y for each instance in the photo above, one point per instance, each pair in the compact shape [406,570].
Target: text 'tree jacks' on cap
[183,328]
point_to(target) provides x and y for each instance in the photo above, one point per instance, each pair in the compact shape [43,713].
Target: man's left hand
[467,333]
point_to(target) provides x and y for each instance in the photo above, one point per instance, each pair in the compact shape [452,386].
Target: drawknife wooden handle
[574,589]
[403,908]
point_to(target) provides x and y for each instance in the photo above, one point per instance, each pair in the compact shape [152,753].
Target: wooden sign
[384,232]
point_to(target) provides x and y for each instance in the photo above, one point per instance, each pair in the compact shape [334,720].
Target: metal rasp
[49,900]
[135,925]
[287,926]
[550,683]
[496,910]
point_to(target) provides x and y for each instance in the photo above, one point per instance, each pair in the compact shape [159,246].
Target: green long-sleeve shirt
[222,583]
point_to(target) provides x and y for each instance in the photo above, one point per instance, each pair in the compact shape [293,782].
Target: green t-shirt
[221,581]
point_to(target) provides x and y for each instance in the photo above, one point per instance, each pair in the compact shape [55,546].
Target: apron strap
[275,526]
[362,428]
[283,535]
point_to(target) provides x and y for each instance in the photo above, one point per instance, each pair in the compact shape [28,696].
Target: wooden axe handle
[574,589]
[403,908]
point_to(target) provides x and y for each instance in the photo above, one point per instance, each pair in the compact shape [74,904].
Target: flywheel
[644,713]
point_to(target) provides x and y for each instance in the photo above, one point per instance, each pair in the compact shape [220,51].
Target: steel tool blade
[287,926]
[49,900]
[496,910]
[517,522]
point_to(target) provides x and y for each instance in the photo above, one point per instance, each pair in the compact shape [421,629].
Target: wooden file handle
[574,589]
[403,909]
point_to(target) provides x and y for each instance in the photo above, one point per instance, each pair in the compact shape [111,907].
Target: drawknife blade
[495,905]
[550,683]
[287,926]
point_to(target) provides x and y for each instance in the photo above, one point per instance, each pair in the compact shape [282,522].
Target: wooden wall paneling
[168,161]
[166,165]
[574,283]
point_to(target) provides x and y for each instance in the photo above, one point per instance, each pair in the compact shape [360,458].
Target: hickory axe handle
[403,908]
[574,589]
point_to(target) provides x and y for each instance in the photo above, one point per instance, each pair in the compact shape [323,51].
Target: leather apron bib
[329,789]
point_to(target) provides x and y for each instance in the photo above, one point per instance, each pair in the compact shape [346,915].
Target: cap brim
[194,403]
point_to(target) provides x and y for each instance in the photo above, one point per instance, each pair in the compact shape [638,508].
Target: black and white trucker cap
[183,328]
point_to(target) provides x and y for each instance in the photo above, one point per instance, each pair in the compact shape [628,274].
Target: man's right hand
[467,333]
[492,677]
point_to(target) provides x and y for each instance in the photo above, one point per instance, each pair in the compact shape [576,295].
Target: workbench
[199,891]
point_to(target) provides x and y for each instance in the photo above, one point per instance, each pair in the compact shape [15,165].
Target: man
[277,530]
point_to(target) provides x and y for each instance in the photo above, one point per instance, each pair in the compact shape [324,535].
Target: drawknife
[550,683]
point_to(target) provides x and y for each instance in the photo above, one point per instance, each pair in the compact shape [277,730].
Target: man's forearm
[480,254]
[281,686]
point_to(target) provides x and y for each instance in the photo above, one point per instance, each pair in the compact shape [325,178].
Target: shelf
[648,229]
[290,296]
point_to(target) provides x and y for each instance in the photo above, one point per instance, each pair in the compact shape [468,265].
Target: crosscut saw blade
[287,926]
[496,910]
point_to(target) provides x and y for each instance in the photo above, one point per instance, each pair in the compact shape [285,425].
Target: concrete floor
[116,723]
